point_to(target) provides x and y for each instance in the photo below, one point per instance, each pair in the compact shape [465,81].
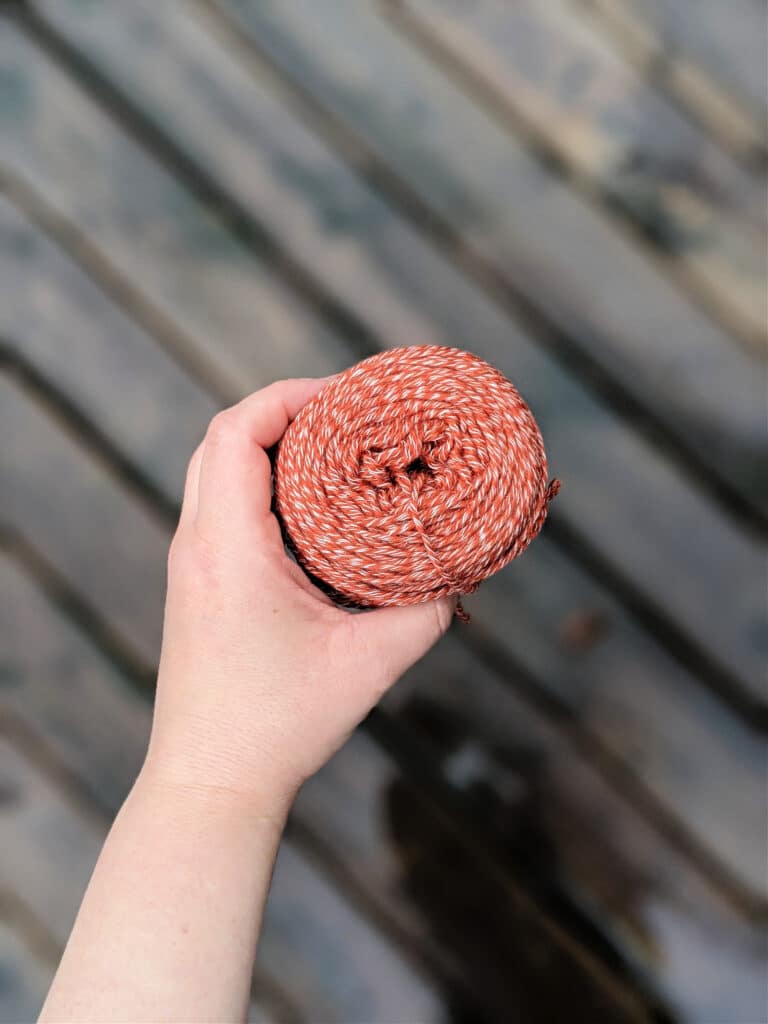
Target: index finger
[234,489]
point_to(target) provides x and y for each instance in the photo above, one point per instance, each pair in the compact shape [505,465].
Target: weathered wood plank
[549,77]
[688,751]
[662,549]
[54,316]
[581,848]
[24,979]
[720,105]
[581,853]
[342,969]
[726,40]
[376,985]
[70,509]
[228,301]
[37,824]
[260,1013]
[650,714]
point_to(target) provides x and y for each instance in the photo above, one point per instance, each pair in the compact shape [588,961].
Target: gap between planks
[696,93]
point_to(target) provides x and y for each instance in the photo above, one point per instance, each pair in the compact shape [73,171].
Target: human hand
[262,677]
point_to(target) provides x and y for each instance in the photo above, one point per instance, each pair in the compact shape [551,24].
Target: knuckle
[221,428]
[191,559]
[175,554]
[443,611]
[192,461]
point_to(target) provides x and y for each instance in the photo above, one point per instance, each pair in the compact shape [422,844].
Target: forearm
[169,924]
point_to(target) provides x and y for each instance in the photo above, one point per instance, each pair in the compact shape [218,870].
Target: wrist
[186,785]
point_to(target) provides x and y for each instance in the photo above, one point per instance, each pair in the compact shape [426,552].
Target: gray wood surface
[240,131]
[234,308]
[608,859]
[317,207]
[550,79]
[57,319]
[24,979]
[726,40]
[719,102]
[49,846]
[70,508]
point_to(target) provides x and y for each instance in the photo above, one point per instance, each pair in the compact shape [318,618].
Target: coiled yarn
[413,475]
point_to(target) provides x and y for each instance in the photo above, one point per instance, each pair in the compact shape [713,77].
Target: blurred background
[560,815]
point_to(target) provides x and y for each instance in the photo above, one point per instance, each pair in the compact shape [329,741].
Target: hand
[262,677]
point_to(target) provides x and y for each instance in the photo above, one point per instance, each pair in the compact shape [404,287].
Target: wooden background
[560,815]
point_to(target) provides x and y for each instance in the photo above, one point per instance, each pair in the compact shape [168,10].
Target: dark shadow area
[514,974]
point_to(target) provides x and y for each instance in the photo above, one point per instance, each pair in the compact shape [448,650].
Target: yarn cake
[412,475]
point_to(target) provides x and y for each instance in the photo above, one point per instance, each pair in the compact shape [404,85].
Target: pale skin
[261,680]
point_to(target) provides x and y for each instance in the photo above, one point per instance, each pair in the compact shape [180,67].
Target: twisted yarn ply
[413,475]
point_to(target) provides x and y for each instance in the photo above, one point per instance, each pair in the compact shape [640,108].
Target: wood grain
[70,508]
[720,104]
[234,308]
[727,42]
[90,349]
[558,85]
[24,979]
[581,847]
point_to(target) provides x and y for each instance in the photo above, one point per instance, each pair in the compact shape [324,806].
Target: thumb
[398,637]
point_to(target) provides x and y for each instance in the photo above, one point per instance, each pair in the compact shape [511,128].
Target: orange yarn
[412,475]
